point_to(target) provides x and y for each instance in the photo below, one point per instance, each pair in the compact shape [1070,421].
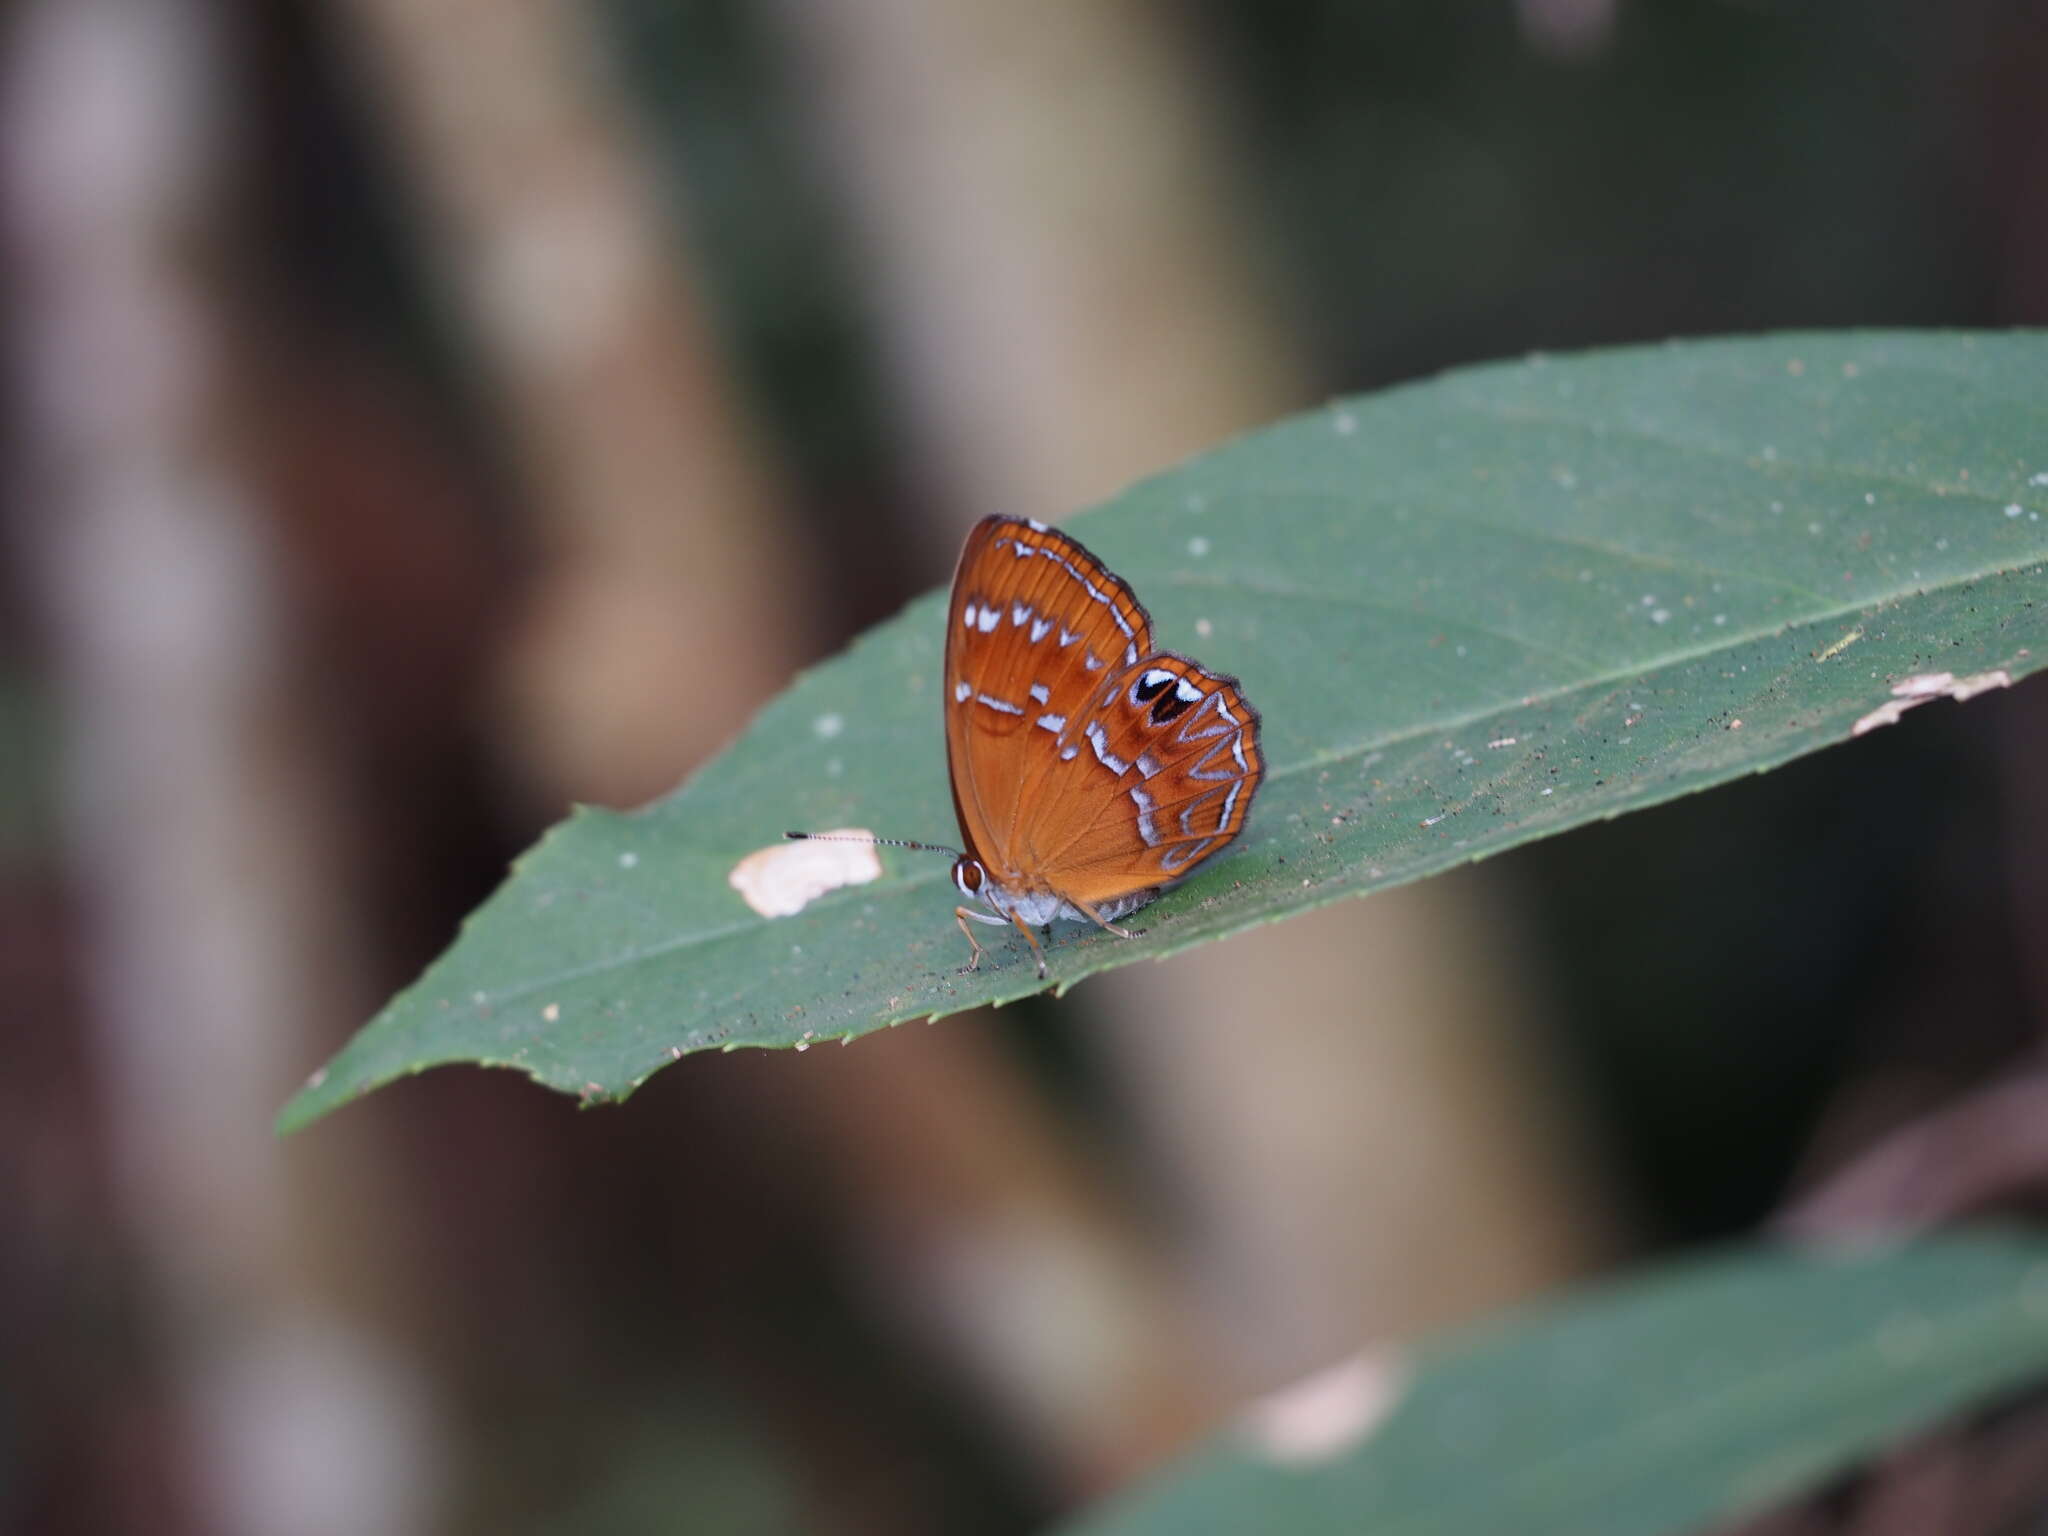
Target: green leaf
[1473,611]
[1705,1392]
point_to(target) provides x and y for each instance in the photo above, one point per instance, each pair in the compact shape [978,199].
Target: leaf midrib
[1281,772]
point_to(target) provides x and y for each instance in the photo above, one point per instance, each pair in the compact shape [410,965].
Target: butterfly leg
[960,915]
[1100,921]
[1031,939]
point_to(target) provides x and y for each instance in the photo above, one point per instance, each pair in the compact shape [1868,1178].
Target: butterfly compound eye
[967,875]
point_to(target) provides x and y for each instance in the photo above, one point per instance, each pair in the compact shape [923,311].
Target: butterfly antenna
[878,842]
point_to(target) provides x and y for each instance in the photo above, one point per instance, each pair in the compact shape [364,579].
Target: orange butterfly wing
[1082,762]
[1035,626]
[1167,765]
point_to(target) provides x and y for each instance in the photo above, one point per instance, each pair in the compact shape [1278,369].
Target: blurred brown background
[421,414]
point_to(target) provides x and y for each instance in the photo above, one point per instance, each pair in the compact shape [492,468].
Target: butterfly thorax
[1036,908]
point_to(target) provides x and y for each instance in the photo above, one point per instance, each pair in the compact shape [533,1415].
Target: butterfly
[1090,771]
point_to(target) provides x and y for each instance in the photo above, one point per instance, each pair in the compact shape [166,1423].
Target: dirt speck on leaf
[1829,653]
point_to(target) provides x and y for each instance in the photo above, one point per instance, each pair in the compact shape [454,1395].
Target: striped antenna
[878,842]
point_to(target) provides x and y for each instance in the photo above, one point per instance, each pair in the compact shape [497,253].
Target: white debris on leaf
[1911,692]
[1327,1414]
[784,878]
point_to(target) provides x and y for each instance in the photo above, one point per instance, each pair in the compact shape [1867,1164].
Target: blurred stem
[666,604]
[200,817]
[1061,282]
[985,1225]
[1360,1126]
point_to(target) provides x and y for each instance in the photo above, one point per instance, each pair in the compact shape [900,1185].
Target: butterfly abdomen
[1037,908]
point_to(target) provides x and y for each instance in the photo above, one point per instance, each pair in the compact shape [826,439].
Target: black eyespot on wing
[1151,685]
[1172,707]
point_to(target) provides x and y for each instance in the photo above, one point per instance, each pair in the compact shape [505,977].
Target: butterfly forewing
[1082,762]
[1036,628]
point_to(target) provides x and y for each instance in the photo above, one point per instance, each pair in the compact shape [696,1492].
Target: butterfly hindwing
[1157,775]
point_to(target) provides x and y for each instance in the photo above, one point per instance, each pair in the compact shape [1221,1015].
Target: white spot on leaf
[1327,1414]
[829,726]
[784,878]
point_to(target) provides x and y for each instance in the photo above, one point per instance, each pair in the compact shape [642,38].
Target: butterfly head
[970,877]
